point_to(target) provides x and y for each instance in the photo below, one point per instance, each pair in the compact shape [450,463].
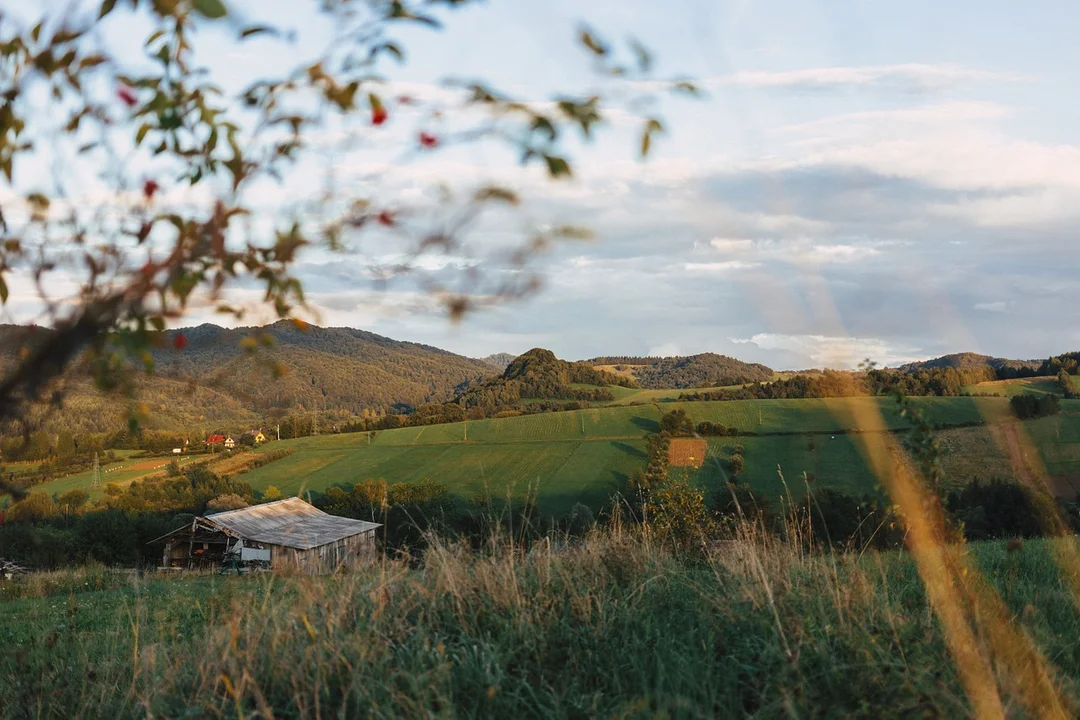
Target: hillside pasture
[560,473]
[1020,386]
[585,455]
[120,473]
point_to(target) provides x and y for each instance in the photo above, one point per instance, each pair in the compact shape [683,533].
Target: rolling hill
[970,361]
[586,455]
[233,376]
[691,371]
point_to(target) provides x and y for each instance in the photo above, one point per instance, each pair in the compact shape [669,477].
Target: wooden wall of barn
[344,554]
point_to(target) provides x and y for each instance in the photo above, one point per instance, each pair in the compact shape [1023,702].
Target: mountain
[317,368]
[704,370]
[235,376]
[499,361]
[970,361]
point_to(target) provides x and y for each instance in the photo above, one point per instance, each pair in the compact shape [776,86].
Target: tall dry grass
[616,623]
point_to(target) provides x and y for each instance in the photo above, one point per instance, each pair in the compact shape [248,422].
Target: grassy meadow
[584,456]
[611,626]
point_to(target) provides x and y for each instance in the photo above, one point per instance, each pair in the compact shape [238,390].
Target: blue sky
[893,180]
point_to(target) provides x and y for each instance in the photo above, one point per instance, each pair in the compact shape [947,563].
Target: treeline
[46,531]
[941,382]
[688,516]
[1027,407]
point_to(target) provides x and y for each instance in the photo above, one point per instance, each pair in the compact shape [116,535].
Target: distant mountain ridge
[499,361]
[279,367]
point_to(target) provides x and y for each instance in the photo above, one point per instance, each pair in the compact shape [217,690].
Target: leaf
[391,48]
[256,30]
[494,192]
[573,232]
[141,134]
[652,126]
[3,290]
[687,87]
[213,9]
[106,8]
[557,166]
[644,57]
[589,40]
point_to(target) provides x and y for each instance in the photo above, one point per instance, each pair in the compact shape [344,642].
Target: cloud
[718,267]
[909,77]
[797,251]
[835,352]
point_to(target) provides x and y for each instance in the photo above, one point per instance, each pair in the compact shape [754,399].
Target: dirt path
[1016,454]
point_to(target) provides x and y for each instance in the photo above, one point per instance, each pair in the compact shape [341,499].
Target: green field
[584,456]
[1019,386]
[121,472]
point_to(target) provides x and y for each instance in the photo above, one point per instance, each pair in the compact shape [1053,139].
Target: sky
[861,179]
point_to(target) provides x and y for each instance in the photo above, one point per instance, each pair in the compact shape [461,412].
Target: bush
[995,510]
[34,507]
[108,537]
[678,513]
[736,464]
[223,503]
[833,519]
[1035,406]
[735,503]
[271,493]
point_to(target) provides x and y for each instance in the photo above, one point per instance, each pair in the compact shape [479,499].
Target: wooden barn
[287,534]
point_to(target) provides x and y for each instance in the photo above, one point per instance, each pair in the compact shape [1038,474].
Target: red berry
[179,341]
[149,188]
[127,96]
[386,217]
[428,140]
[378,115]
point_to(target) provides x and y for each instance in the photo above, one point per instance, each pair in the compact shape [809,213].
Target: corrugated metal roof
[290,522]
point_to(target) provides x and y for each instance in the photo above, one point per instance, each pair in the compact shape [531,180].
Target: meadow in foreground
[612,624]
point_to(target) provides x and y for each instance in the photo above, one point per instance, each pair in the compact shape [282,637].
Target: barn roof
[290,523]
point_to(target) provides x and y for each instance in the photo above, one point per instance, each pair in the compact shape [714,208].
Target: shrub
[108,537]
[1035,406]
[678,513]
[271,493]
[833,519]
[36,506]
[735,503]
[222,503]
[995,510]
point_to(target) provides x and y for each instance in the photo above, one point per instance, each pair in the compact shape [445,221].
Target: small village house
[288,534]
[214,440]
[229,443]
[260,438]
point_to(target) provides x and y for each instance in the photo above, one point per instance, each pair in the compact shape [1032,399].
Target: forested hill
[255,370]
[539,375]
[317,368]
[968,361]
[704,370]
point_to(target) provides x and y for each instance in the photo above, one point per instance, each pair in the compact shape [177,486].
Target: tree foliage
[138,262]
